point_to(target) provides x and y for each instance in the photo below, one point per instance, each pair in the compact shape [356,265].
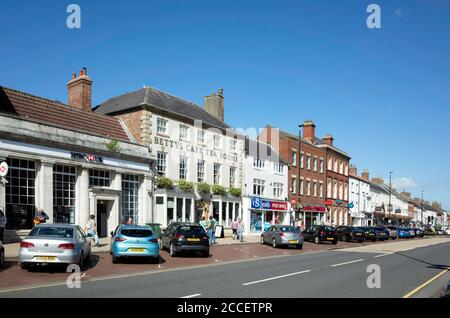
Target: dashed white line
[191,296]
[382,255]
[346,263]
[276,277]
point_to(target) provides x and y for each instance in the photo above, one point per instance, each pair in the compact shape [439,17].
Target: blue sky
[383,94]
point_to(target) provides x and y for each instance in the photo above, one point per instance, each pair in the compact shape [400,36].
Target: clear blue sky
[383,94]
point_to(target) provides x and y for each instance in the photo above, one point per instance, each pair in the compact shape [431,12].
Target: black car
[320,233]
[350,233]
[185,237]
[381,232]
[369,233]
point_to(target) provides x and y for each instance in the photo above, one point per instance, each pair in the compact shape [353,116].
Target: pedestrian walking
[91,229]
[212,230]
[240,230]
[204,224]
[234,227]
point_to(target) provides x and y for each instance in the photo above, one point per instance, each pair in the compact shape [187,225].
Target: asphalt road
[336,274]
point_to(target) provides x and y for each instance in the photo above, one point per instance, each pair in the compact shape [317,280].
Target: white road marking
[346,263]
[276,277]
[191,296]
[382,255]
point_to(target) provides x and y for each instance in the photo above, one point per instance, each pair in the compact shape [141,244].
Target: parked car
[441,232]
[429,231]
[282,235]
[392,232]
[185,237]
[320,233]
[55,244]
[403,233]
[2,225]
[381,232]
[412,232]
[133,241]
[2,255]
[369,233]
[350,233]
[418,232]
[447,231]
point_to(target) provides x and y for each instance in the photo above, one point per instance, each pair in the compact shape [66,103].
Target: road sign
[3,169]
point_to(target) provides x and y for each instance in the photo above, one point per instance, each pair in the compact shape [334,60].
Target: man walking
[41,217]
[212,230]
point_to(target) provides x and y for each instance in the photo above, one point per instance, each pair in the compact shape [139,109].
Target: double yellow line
[428,282]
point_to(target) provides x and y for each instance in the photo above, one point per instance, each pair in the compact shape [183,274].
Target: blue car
[404,233]
[134,241]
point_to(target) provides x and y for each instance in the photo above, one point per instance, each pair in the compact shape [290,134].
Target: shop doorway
[102,218]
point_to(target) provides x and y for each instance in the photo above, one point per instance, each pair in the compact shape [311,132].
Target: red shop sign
[278,206]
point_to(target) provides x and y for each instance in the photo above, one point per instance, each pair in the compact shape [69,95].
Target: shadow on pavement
[430,265]
[8,265]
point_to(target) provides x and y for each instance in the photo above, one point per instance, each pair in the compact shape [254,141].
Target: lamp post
[299,165]
[390,193]
[421,206]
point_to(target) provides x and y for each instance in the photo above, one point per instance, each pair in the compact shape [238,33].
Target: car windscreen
[289,229]
[61,232]
[191,230]
[379,228]
[328,229]
[136,232]
[354,229]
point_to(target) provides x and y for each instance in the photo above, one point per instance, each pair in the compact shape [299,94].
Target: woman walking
[240,230]
[234,227]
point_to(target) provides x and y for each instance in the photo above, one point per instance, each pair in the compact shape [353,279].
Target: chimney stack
[406,194]
[328,139]
[214,105]
[309,131]
[365,174]
[80,91]
[353,171]
[378,181]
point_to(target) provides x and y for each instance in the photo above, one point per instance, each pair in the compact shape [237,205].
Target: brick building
[307,164]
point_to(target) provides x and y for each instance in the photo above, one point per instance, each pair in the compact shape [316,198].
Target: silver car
[55,244]
[283,235]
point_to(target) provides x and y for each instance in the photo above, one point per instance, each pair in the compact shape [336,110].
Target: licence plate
[46,258]
[330,239]
[293,242]
[136,250]
[358,234]
[193,240]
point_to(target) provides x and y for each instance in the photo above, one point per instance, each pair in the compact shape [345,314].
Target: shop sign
[257,203]
[86,157]
[328,203]
[314,208]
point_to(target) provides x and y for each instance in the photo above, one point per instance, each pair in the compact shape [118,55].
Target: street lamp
[390,192]
[421,205]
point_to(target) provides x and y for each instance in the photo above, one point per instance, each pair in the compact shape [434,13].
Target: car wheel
[81,262]
[172,250]
[274,243]
[24,266]
[300,247]
[262,240]
[317,240]
[335,242]
[115,259]
[361,241]
[2,258]
[205,254]
[344,238]
[374,240]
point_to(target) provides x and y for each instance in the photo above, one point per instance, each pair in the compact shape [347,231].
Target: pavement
[321,270]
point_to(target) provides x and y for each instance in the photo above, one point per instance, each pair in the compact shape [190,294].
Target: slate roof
[378,188]
[47,112]
[160,100]
[262,150]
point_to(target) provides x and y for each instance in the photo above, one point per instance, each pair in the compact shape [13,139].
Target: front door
[102,219]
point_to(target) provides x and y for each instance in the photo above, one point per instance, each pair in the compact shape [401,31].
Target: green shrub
[218,190]
[113,146]
[203,188]
[235,192]
[186,186]
[164,183]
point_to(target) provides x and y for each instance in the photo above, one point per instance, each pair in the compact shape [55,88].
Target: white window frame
[232,176]
[161,125]
[200,170]
[184,132]
[217,141]
[259,187]
[201,137]
[216,172]
[161,160]
[183,168]
[278,190]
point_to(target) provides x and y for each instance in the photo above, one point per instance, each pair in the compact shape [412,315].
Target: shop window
[180,210]
[187,210]
[20,194]
[216,212]
[64,179]
[99,178]
[130,197]
[170,210]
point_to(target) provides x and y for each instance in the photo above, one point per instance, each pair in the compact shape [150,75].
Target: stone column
[2,190]
[147,213]
[220,213]
[83,209]
[45,184]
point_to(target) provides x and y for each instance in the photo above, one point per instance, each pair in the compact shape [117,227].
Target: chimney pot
[80,91]
[365,174]
[353,170]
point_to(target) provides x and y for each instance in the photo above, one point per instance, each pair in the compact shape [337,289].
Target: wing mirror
[112,233]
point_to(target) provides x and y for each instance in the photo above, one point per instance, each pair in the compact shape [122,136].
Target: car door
[81,241]
[308,234]
[164,237]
